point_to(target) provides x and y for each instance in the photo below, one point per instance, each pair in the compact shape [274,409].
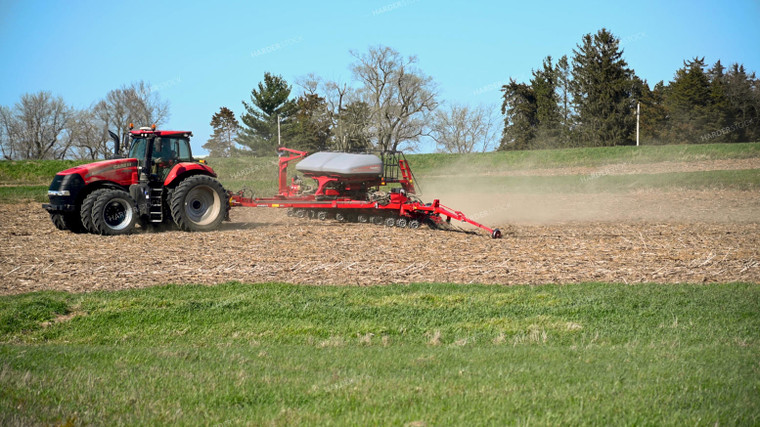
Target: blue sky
[201,56]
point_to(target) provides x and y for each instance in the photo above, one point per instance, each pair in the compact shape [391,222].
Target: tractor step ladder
[156,205]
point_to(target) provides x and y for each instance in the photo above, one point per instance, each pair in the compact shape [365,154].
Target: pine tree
[309,129]
[688,103]
[548,118]
[654,115]
[564,77]
[719,111]
[743,92]
[270,101]
[222,141]
[601,87]
[520,116]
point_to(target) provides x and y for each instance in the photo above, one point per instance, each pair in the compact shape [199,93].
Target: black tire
[67,221]
[390,222]
[362,218]
[114,212]
[402,222]
[340,217]
[58,221]
[414,224]
[198,204]
[85,212]
[322,215]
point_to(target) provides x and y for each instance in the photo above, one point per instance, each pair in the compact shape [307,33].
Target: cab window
[163,148]
[137,150]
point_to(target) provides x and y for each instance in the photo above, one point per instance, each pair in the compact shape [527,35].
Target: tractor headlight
[59,193]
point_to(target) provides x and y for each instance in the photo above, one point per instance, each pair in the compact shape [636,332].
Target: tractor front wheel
[114,212]
[67,221]
[198,204]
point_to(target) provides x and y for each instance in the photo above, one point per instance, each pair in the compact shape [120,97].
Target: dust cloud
[532,200]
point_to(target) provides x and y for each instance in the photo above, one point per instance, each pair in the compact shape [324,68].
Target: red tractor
[158,184]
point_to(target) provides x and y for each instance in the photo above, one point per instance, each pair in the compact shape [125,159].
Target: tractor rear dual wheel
[198,204]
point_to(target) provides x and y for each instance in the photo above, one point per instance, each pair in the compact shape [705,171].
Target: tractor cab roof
[161,133]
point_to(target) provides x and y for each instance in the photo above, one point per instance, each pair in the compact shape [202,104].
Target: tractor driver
[165,151]
[164,155]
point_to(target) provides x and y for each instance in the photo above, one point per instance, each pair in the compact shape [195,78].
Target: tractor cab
[166,149]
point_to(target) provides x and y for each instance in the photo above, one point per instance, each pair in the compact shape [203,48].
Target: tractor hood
[98,168]
[119,171]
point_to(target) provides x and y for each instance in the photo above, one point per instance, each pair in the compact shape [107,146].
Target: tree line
[389,104]
[43,126]
[588,99]
[591,100]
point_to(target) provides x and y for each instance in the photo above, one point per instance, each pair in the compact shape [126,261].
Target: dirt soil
[663,237]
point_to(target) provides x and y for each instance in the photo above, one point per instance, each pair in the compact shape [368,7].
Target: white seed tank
[346,164]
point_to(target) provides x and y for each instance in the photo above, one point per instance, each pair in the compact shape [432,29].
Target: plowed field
[664,237]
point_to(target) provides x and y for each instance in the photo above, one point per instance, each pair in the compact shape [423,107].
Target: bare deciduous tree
[135,103]
[36,128]
[349,116]
[461,129]
[89,136]
[8,133]
[399,96]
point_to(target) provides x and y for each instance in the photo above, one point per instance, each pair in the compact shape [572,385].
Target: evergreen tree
[565,97]
[259,130]
[743,93]
[222,141]
[520,112]
[548,118]
[688,103]
[720,114]
[601,88]
[309,129]
[654,115]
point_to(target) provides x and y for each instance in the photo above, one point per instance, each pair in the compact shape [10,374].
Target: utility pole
[279,142]
[638,111]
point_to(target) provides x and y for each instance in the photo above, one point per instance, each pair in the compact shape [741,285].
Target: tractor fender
[182,170]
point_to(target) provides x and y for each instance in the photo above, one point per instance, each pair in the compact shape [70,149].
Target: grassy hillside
[431,354]
[571,157]
[33,172]
[259,174]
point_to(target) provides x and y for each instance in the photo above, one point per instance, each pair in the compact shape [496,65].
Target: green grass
[438,163]
[23,193]
[33,172]
[433,353]
[256,174]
